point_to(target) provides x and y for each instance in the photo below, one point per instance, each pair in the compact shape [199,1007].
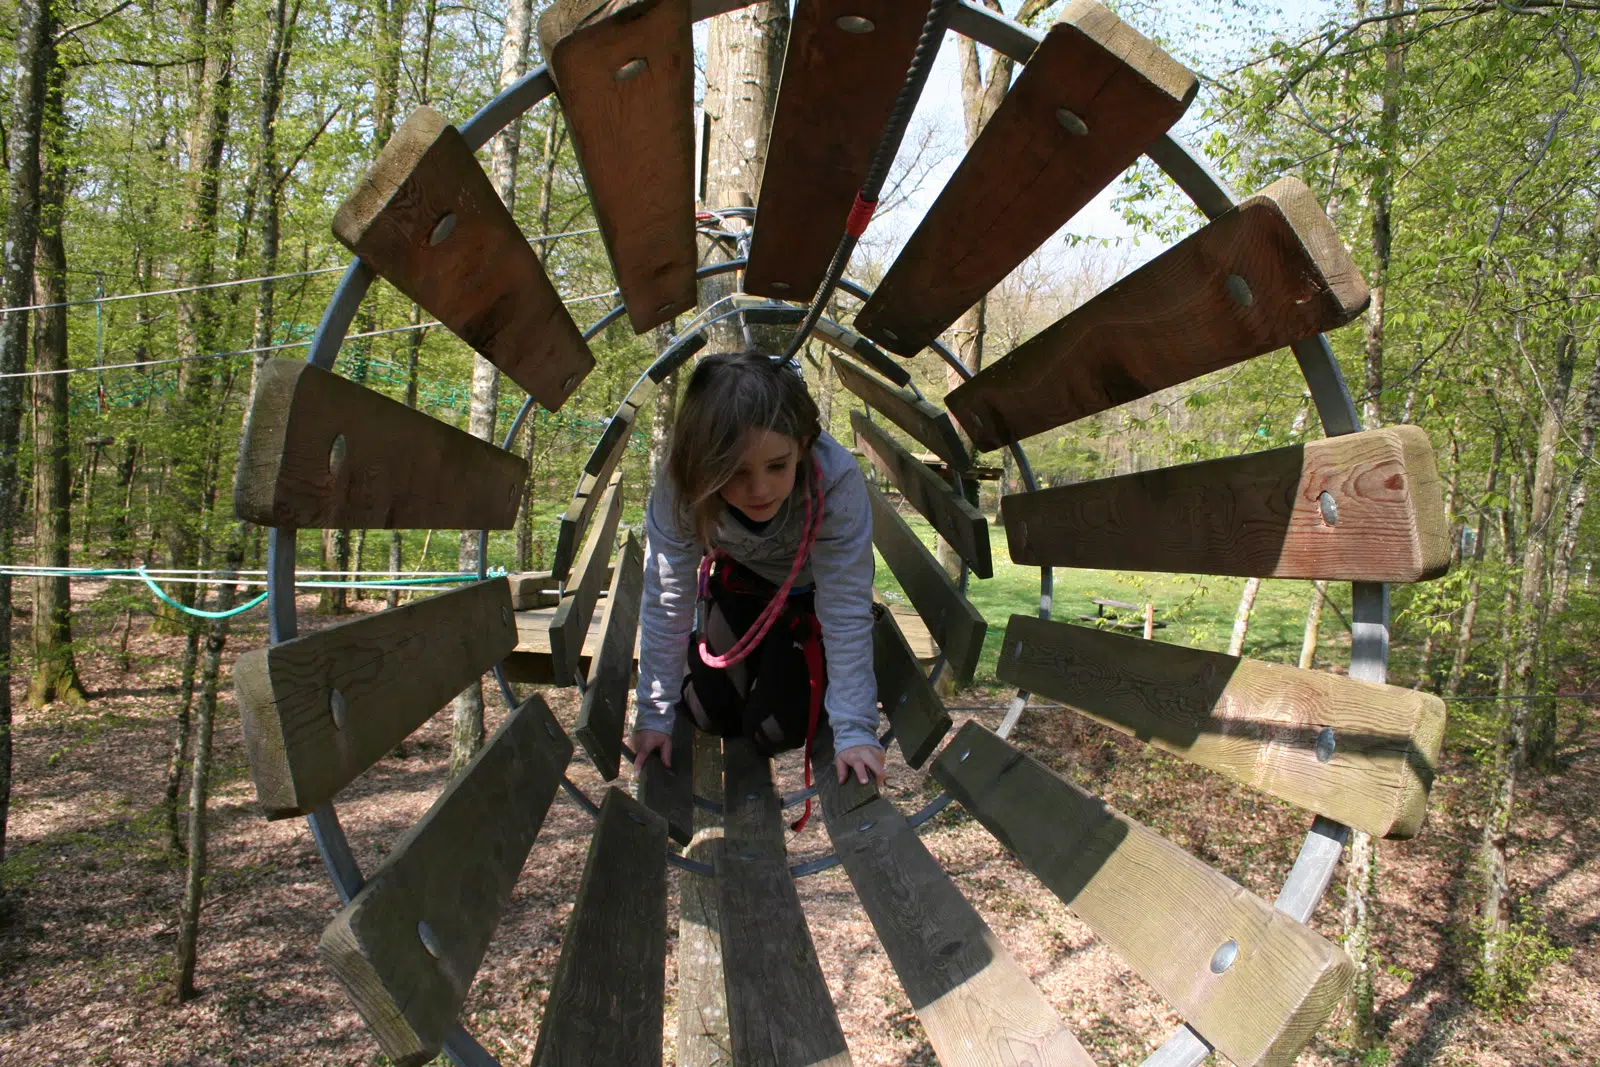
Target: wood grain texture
[321,452]
[633,129]
[1259,515]
[779,1010]
[908,698]
[454,872]
[1028,173]
[953,622]
[952,517]
[1162,910]
[915,416]
[570,625]
[481,279]
[669,791]
[974,1000]
[1175,318]
[606,996]
[1258,723]
[385,674]
[837,91]
[604,710]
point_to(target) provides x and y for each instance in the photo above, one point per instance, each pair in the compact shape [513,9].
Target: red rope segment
[860,214]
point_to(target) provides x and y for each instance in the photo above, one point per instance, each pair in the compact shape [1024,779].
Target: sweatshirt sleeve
[666,615]
[842,566]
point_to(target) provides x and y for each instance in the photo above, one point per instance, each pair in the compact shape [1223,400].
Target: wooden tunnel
[322,452]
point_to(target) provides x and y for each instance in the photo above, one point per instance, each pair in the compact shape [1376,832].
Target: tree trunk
[1308,644]
[1361,895]
[466,735]
[1241,618]
[1566,544]
[1382,199]
[666,410]
[180,737]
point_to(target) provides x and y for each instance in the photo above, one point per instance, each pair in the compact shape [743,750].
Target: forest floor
[89,896]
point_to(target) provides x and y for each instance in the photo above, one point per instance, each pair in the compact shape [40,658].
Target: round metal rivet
[782,287]
[752,795]
[505,615]
[1223,958]
[854,24]
[747,857]
[864,827]
[550,728]
[664,308]
[1325,744]
[1016,649]
[572,379]
[631,69]
[965,754]
[443,228]
[903,698]
[1071,122]
[336,708]
[1239,289]
[636,817]
[429,939]
[336,455]
[1330,508]
[890,334]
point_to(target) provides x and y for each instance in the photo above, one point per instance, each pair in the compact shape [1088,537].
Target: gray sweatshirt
[840,566]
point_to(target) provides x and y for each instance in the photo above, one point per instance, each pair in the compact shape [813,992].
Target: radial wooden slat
[570,626]
[952,517]
[909,701]
[857,347]
[669,791]
[604,710]
[929,425]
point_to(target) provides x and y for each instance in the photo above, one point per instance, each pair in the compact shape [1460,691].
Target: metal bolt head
[1325,744]
[752,795]
[890,334]
[782,287]
[855,24]
[1223,958]
[550,728]
[631,70]
[636,817]
[336,453]
[443,229]
[1071,122]
[664,308]
[1239,289]
[965,754]
[570,381]
[429,939]
[1016,649]
[866,825]
[336,708]
[1330,508]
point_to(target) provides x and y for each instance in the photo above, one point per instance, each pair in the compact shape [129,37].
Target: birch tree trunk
[1308,644]
[1469,614]
[1241,618]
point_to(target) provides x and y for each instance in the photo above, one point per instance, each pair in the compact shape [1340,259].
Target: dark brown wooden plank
[1364,507]
[1166,913]
[779,1010]
[915,416]
[1358,752]
[597,471]
[321,452]
[839,85]
[952,621]
[407,947]
[909,701]
[952,517]
[974,1000]
[322,708]
[570,626]
[604,710]
[857,347]
[605,999]
[427,218]
[625,73]
[1266,274]
[669,791]
[1092,97]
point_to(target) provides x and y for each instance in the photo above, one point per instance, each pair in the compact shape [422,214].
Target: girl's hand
[863,759]
[645,742]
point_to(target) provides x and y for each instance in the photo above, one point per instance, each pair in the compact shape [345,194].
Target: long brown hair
[729,395]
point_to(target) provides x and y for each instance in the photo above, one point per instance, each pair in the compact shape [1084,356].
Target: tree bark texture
[180,738]
[1361,897]
[1382,199]
[1241,618]
[1566,544]
[1308,644]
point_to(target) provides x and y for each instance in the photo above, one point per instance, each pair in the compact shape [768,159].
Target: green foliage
[1521,952]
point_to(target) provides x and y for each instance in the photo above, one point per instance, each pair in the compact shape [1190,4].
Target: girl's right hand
[645,742]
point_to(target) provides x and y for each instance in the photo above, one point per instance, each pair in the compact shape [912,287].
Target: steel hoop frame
[1313,869]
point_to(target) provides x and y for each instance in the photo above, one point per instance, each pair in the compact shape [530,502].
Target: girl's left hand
[863,759]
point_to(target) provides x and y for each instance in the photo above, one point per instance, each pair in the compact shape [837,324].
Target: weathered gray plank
[669,791]
[1166,913]
[322,708]
[952,517]
[915,416]
[912,707]
[570,625]
[321,452]
[408,946]
[605,700]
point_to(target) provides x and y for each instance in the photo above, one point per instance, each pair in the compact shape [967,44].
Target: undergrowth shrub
[1522,951]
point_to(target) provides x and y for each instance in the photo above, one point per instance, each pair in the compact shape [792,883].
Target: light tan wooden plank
[779,1010]
[322,708]
[1270,272]
[321,452]
[909,702]
[427,218]
[570,624]
[1086,105]
[408,946]
[839,85]
[605,998]
[915,416]
[604,710]
[625,73]
[975,1002]
[1263,724]
[669,791]
[1166,913]
[952,517]
[952,621]
[1263,515]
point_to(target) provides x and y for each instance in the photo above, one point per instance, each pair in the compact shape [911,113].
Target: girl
[758,575]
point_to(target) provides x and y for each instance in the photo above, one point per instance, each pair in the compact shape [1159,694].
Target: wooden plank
[1270,272]
[625,73]
[605,700]
[606,996]
[1263,724]
[952,517]
[950,617]
[534,589]
[669,791]
[407,947]
[906,410]
[570,624]
[779,1010]
[427,218]
[1264,515]
[913,708]
[1166,913]
[322,708]
[1086,105]
[974,1000]
[839,86]
[857,347]
[321,452]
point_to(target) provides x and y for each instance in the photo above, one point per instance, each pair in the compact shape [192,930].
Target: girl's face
[765,476]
